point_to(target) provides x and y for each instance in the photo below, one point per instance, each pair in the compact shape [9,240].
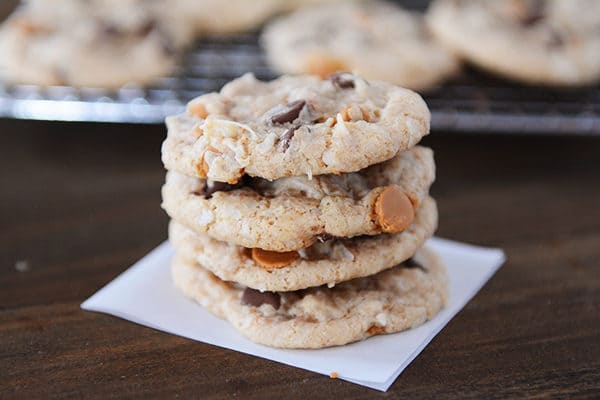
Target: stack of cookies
[300,209]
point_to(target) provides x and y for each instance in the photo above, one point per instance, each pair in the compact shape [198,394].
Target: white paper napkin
[145,294]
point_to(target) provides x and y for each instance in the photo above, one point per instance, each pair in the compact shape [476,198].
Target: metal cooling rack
[473,102]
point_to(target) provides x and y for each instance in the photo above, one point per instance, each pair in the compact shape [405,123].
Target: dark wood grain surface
[80,203]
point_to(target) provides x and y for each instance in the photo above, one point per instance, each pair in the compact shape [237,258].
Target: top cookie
[292,126]
[553,42]
[375,39]
[99,43]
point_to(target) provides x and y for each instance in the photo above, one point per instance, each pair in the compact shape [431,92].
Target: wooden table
[80,203]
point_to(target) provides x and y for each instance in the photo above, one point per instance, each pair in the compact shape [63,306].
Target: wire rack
[472,102]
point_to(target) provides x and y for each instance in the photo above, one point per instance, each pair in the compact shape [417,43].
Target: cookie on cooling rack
[376,39]
[548,42]
[293,126]
[219,17]
[289,214]
[397,299]
[96,43]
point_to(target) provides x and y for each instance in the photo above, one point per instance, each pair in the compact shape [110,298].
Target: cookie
[292,126]
[292,213]
[218,17]
[95,43]
[547,42]
[375,39]
[324,263]
[400,298]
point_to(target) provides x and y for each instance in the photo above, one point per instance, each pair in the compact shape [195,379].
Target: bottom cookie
[397,299]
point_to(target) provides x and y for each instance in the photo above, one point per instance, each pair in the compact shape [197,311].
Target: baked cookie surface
[324,263]
[93,43]
[375,39]
[551,42]
[292,126]
[289,214]
[400,298]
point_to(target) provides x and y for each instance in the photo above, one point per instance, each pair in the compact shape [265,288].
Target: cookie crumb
[333,375]
[22,266]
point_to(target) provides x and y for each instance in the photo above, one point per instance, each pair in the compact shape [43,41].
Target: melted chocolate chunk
[256,298]
[108,29]
[168,46]
[342,80]
[147,27]
[412,263]
[535,13]
[287,137]
[555,40]
[323,237]
[291,112]
[212,187]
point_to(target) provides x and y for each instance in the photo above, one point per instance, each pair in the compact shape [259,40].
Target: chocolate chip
[256,298]
[555,40]
[108,29]
[535,13]
[286,138]
[147,27]
[291,112]
[168,46]
[342,80]
[323,237]
[211,188]
[412,263]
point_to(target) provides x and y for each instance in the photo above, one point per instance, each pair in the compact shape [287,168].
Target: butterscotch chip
[394,210]
[197,109]
[272,259]
[198,131]
[202,168]
[323,65]
[376,330]
[355,113]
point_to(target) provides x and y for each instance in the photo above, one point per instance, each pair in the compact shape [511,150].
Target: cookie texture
[324,263]
[375,39]
[96,43]
[551,42]
[400,298]
[292,213]
[292,126]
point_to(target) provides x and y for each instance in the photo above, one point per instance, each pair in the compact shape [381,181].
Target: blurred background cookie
[376,39]
[98,43]
[549,42]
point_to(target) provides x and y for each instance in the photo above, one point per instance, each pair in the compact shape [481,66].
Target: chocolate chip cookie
[289,214]
[397,299]
[327,262]
[293,126]
[97,43]
[375,39]
[547,42]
